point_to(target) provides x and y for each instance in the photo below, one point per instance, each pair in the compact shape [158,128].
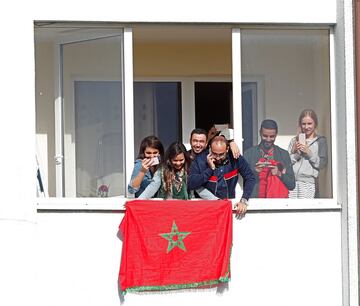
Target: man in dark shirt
[198,142]
[271,165]
[217,171]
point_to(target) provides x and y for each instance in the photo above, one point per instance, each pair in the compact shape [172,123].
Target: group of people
[210,169]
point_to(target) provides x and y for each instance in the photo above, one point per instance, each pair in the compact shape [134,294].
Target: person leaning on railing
[151,152]
[217,171]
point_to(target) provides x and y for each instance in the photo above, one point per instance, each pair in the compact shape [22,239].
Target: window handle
[58,159]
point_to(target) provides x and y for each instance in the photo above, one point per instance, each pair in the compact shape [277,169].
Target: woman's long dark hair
[173,150]
[151,142]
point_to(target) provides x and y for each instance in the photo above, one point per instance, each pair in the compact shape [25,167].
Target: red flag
[175,244]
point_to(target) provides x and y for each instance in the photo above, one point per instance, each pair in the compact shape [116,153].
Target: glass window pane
[290,72]
[93,118]
[157,108]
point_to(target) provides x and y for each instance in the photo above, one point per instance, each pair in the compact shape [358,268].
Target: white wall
[308,11]
[283,258]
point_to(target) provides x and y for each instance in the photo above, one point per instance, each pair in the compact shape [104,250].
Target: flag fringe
[198,285]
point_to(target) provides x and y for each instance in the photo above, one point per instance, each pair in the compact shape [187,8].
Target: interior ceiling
[147,34]
[141,34]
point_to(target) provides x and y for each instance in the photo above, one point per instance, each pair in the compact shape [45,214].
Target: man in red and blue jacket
[218,171]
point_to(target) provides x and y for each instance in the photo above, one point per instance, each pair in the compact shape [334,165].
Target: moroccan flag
[173,244]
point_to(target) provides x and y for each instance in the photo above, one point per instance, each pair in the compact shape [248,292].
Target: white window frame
[126,34]
[128,103]
[188,103]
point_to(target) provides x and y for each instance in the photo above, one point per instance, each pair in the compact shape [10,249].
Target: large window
[80,110]
[294,68]
[185,77]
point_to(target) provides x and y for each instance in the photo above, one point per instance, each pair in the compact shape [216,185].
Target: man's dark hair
[269,124]
[199,131]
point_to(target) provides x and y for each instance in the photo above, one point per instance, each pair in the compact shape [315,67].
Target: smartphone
[155,161]
[302,138]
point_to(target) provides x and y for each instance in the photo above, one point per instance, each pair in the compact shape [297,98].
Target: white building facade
[93,79]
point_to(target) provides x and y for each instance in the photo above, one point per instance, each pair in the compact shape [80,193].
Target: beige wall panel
[182,60]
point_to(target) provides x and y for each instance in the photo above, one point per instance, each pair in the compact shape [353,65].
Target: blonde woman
[308,153]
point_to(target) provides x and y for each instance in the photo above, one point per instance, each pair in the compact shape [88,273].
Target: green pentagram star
[175,238]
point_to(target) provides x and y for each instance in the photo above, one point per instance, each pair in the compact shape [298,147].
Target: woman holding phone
[308,153]
[151,152]
[170,181]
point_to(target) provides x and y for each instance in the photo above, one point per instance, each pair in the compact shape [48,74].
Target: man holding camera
[270,164]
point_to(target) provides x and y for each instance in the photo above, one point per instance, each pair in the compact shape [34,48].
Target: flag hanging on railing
[175,244]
